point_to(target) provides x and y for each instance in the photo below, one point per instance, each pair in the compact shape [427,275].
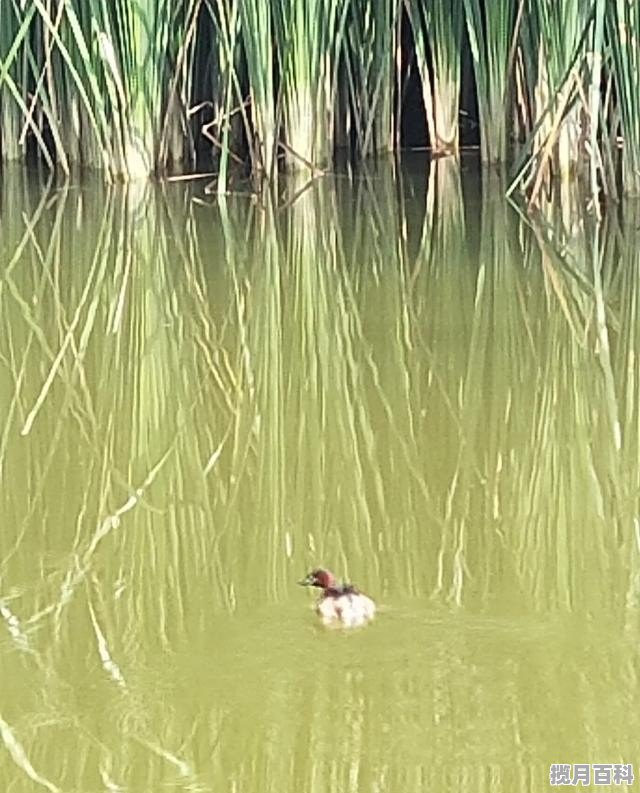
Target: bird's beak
[307,581]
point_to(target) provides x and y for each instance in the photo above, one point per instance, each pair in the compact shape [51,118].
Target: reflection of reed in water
[301,388]
[194,410]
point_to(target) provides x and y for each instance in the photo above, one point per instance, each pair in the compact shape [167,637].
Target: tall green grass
[437,31]
[258,41]
[224,21]
[13,64]
[108,82]
[368,112]
[623,29]
[155,87]
[553,78]
[491,28]
[310,37]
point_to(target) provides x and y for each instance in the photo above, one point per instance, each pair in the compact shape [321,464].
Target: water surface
[398,376]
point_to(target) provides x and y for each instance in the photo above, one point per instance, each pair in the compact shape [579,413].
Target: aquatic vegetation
[157,87]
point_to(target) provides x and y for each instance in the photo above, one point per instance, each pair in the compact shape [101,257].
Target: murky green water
[402,380]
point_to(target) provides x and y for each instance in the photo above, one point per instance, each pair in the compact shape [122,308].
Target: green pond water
[398,376]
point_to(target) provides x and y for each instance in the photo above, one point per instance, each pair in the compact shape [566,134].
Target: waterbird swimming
[339,604]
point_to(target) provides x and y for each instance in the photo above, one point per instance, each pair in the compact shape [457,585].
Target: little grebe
[340,604]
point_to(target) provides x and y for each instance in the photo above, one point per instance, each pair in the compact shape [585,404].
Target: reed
[553,59]
[257,35]
[437,31]
[623,34]
[141,89]
[491,30]
[224,21]
[14,54]
[147,49]
[310,37]
[368,113]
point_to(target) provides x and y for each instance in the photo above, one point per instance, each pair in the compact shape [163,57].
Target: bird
[339,604]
